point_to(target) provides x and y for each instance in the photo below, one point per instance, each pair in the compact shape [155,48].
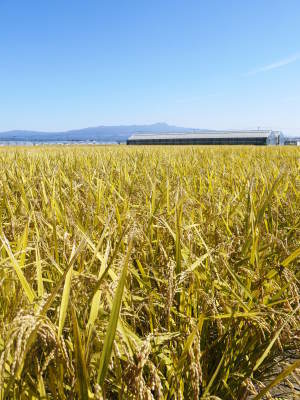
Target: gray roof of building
[204,135]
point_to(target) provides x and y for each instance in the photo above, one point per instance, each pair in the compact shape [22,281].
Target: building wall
[200,141]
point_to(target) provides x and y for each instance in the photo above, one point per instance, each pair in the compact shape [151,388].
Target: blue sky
[208,64]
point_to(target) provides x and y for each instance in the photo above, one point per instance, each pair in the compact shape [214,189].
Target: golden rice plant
[149,272]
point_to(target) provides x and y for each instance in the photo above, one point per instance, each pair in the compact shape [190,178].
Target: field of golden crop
[149,273]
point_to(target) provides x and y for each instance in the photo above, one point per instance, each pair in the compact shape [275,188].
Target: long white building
[253,137]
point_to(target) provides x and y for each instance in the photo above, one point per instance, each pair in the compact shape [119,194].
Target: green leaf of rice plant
[212,379]
[113,322]
[26,286]
[39,275]
[286,372]
[96,298]
[65,301]
[270,345]
[291,257]
[81,368]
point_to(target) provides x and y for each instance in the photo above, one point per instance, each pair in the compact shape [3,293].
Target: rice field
[149,273]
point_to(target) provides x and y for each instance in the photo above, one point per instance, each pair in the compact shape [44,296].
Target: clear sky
[196,63]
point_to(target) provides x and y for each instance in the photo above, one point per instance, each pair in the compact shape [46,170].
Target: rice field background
[149,273]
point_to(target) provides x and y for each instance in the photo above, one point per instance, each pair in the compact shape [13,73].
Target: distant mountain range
[99,134]
[102,134]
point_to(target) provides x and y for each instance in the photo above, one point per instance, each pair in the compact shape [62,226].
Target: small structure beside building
[292,141]
[253,137]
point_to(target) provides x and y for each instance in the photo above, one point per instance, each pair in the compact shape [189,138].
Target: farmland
[149,273]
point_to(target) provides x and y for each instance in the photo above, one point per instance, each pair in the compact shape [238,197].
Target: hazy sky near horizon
[209,64]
